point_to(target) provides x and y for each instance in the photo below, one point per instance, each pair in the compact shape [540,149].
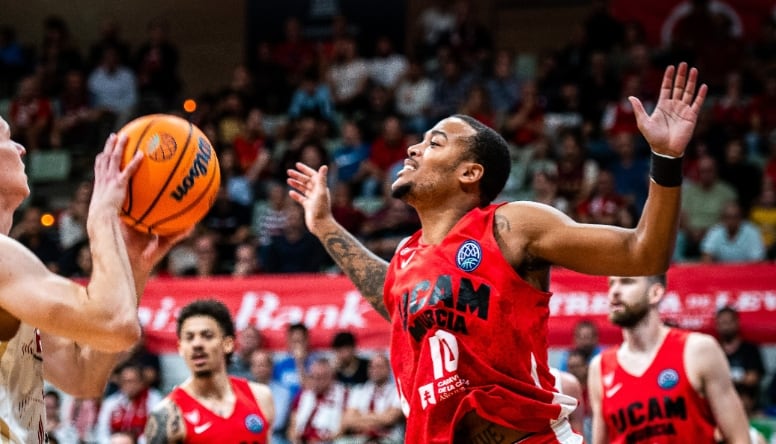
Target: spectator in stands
[349,156]
[248,341]
[273,87]
[630,170]
[74,116]
[128,409]
[294,53]
[387,66]
[373,413]
[524,124]
[578,365]
[763,215]
[113,87]
[413,98]
[261,372]
[39,239]
[207,263]
[544,189]
[344,210]
[246,259]
[477,104]
[618,116]
[577,174]
[229,118]
[450,89]
[55,427]
[58,55]
[503,85]
[702,204]
[156,65]
[316,416]
[229,218]
[109,37]
[312,98]
[434,22]
[350,368]
[347,77]
[252,147]
[746,364]
[76,261]
[148,362]
[389,147]
[295,250]
[731,114]
[290,369]
[388,226]
[72,219]
[469,39]
[13,60]
[585,341]
[733,239]
[739,172]
[379,106]
[270,215]
[605,205]
[31,115]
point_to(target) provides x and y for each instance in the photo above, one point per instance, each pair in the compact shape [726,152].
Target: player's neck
[438,222]
[646,335]
[214,387]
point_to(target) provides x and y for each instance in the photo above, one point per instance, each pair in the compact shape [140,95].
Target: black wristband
[666,171]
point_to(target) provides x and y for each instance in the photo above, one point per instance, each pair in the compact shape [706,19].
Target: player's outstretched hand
[309,189]
[669,129]
[110,181]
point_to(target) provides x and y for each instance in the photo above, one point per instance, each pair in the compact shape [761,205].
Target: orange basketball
[177,182]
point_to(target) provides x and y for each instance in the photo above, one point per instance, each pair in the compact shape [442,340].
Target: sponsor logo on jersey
[254,423]
[469,256]
[668,379]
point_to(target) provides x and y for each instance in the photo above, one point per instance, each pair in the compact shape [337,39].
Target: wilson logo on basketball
[161,147]
[198,169]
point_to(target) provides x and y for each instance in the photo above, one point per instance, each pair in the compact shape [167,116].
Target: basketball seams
[214,179]
[163,188]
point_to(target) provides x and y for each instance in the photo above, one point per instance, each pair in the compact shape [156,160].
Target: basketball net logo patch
[469,256]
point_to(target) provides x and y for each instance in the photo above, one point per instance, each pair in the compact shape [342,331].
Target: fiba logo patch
[254,423]
[469,256]
[667,379]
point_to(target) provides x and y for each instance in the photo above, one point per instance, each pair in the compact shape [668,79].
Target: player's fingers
[700,98]
[680,81]
[638,110]
[668,82]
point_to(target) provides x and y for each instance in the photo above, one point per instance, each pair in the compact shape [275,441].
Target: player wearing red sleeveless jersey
[467,295]
[211,406]
[662,385]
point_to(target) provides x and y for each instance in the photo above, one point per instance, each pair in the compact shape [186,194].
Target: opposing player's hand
[310,191]
[669,129]
[110,181]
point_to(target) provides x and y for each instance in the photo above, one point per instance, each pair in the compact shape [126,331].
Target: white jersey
[21,388]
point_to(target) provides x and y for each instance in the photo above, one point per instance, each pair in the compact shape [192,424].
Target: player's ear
[471,172]
[228,344]
[656,292]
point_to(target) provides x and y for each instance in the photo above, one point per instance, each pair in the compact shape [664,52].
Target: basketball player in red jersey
[53,327]
[467,294]
[211,406]
[662,385]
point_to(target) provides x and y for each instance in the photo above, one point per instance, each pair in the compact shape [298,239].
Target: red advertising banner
[329,304]
[659,17]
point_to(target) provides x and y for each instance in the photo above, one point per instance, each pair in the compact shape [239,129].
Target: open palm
[669,129]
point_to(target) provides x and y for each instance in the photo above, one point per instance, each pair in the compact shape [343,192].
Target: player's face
[429,171]
[628,300]
[13,186]
[203,346]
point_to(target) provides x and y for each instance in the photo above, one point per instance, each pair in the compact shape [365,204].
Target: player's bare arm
[708,370]
[599,249]
[165,424]
[595,392]
[365,269]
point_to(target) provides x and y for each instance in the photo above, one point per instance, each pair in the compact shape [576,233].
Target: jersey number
[444,353]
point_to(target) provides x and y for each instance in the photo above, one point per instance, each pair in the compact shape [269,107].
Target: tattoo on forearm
[365,269]
[156,427]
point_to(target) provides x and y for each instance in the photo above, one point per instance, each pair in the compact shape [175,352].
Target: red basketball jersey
[468,333]
[246,424]
[661,406]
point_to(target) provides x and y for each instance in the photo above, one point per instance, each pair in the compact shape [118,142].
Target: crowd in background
[333,101]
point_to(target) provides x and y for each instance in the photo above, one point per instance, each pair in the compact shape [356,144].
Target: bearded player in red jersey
[467,294]
[662,385]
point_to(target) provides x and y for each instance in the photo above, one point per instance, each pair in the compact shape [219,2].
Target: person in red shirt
[662,385]
[210,406]
[467,295]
